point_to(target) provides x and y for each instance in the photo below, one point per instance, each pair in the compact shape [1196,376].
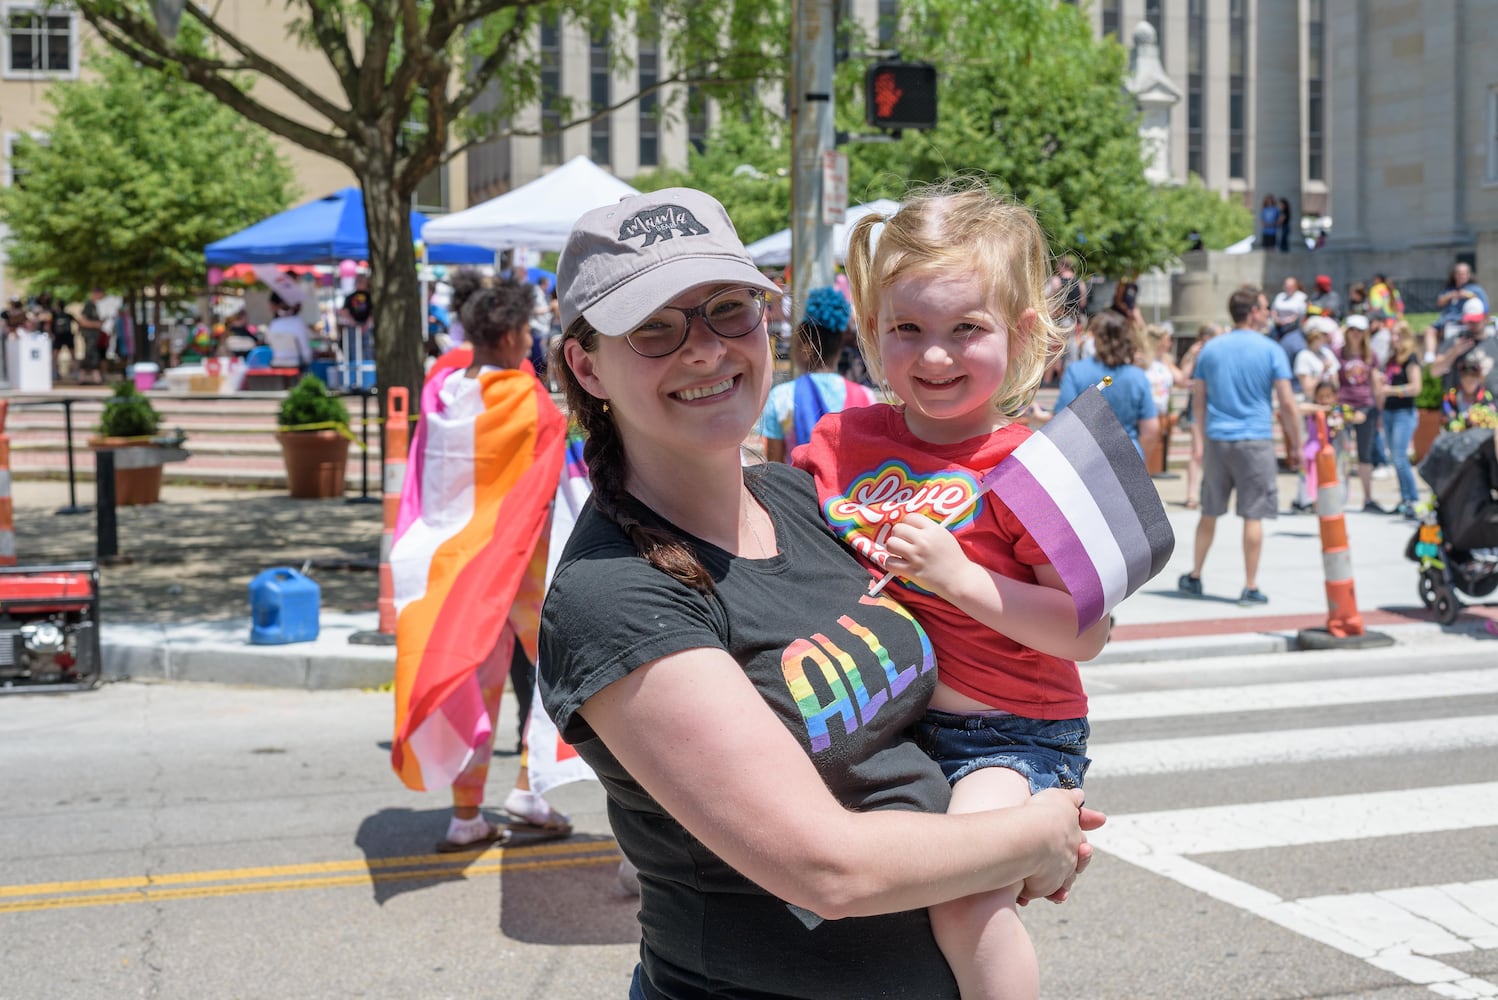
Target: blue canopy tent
[325,231]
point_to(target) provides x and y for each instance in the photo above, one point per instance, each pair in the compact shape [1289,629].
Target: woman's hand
[1071,852]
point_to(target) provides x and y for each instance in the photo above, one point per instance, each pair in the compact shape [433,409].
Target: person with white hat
[694,624]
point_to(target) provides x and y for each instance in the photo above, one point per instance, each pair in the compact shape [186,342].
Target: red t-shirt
[870,471]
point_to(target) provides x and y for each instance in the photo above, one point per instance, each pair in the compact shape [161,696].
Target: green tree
[743,165]
[138,174]
[406,76]
[1030,99]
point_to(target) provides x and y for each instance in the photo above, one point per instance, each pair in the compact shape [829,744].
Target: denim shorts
[1048,753]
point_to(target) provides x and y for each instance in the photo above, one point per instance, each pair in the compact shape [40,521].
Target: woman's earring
[605,406]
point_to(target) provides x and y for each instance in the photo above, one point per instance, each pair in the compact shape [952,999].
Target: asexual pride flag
[1081,490]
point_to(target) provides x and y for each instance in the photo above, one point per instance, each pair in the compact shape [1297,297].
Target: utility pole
[813,28]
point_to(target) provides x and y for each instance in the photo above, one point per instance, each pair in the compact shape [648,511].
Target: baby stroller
[1456,543]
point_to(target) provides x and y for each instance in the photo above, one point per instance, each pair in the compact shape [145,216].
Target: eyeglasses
[730,314]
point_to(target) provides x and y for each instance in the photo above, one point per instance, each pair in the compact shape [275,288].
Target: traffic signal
[900,95]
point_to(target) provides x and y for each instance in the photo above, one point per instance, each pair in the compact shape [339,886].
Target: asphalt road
[1291,826]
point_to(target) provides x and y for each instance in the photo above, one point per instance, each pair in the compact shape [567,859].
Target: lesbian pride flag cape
[468,557]
[1081,490]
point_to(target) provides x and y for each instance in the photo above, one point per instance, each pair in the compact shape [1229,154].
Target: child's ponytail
[865,291]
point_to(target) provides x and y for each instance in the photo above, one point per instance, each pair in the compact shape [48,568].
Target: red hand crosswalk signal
[900,95]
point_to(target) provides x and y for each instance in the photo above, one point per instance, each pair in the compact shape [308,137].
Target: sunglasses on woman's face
[730,314]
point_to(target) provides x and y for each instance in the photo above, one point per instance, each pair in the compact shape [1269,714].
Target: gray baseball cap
[624,261]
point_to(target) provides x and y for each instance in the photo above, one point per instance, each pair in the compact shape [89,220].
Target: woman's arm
[1041,615]
[1416,379]
[1148,429]
[696,735]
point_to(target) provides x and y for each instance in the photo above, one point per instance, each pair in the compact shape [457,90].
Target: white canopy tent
[537,216]
[775,250]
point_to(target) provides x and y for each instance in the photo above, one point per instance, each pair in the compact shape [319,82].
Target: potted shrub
[314,440]
[1429,416]
[128,426]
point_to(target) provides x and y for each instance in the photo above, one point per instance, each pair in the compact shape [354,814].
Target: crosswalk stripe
[1295,694]
[1253,826]
[1396,930]
[1289,746]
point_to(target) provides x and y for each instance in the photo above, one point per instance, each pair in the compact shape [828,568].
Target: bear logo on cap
[661,223]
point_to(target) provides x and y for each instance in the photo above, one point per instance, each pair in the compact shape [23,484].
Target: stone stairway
[231,439]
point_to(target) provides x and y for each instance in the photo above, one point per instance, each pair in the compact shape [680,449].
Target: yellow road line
[276,879]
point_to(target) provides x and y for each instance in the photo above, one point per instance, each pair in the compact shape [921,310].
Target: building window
[696,119]
[598,97]
[551,90]
[1112,15]
[1196,45]
[889,22]
[1156,18]
[1316,90]
[16,152]
[649,63]
[39,41]
[1237,92]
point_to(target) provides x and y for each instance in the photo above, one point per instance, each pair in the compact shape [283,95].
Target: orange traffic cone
[1344,624]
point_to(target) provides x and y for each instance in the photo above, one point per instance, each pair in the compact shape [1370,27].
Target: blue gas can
[283,607]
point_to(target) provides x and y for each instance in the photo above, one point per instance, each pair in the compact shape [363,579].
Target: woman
[289,336]
[794,407]
[486,459]
[694,644]
[1359,384]
[1401,386]
[1129,394]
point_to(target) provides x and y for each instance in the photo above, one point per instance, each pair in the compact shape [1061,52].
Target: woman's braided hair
[607,463]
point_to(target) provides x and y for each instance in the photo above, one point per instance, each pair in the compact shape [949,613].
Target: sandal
[492,834]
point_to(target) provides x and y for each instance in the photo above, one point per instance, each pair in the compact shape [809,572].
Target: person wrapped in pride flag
[1011,546]
[469,560]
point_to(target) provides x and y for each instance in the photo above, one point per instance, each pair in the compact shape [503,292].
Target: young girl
[1358,382]
[952,318]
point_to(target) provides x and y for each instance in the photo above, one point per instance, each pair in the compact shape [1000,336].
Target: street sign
[834,187]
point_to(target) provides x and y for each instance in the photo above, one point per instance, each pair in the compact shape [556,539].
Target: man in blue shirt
[1236,381]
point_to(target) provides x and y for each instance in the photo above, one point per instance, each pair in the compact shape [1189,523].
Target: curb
[218,652]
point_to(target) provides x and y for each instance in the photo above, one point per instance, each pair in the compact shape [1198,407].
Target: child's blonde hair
[962,227]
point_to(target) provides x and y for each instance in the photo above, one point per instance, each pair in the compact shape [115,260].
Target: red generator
[49,627]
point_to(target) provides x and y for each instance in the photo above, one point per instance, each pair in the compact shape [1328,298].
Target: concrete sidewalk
[180,611]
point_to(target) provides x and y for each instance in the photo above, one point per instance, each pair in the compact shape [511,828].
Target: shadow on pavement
[550,891]
[193,560]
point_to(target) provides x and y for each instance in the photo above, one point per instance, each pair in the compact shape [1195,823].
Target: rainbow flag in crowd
[469,557]
[1081,490]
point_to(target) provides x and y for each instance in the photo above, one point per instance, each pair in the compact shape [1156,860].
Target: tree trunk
[395,292]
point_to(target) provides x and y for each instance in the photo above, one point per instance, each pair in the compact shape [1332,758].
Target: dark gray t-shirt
[847,674]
